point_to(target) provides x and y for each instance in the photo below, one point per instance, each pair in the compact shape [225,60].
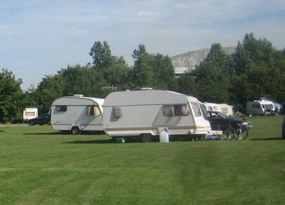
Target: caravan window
[196,109]
[181,110]
[175,110]
[204,110]
[61,108]
[93,110]
[168,110]
[117,112]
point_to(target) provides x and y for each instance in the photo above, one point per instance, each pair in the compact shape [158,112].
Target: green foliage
[163,72]
[259,71]
[212,78]
[101,54]
[114,70]
[142,72]
[255,70]
[10,96]
[150,70]
[50,88]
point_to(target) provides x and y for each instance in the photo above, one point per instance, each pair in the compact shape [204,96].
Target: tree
[142,71]
[258,70]
[213,76]
[163,72]
[114,69]
[50,88]
[10,96]
[152,70]
[101,54]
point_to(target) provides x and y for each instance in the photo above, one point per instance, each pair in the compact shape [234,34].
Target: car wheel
[229,134]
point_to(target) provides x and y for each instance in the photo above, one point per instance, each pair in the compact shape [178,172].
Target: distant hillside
[188,61]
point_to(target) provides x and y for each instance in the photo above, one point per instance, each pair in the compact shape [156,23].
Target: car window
[215,115]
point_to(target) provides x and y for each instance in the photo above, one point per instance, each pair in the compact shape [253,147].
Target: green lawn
[40,166]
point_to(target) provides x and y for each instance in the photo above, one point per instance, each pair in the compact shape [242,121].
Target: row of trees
[255,70]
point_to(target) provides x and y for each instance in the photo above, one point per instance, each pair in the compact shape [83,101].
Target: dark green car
[40,120]
[232,128]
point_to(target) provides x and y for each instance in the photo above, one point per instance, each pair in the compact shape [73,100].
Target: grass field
[40,166]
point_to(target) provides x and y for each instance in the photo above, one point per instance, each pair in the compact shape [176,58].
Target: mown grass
[40,166]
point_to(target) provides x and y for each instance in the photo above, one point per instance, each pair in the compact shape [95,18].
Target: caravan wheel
[75,131]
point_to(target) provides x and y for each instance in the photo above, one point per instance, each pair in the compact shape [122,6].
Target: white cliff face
[186,62]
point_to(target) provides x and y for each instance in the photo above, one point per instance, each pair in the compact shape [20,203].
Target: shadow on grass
[65,133]
[100,141]
[45,133]
[267,139]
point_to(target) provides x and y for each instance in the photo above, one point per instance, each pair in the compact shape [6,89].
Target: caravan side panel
[139,119]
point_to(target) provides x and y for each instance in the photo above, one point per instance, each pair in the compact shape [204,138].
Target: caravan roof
[147,97]
[77,100]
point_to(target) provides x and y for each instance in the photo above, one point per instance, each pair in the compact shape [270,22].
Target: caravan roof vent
[78,95]
[146,88]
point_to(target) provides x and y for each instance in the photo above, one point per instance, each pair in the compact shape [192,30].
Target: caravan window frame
[92,112]
[61,108]
[176,110]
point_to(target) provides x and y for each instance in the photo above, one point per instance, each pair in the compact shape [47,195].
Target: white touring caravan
[224,108]
[146,113]
[77,113]
[212,107]
[227,109]
[260,107]
[30,113]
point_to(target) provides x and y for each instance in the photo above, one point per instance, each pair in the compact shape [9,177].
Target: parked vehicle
[40,120]
[146,113]
[260,107]
[224,108]
[30,113]
[232,128]
[77,113]
[212,106]
[227,109]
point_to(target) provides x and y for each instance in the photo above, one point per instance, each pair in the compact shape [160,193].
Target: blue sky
[39,37]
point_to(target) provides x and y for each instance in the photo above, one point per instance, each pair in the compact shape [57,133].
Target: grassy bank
[41,166]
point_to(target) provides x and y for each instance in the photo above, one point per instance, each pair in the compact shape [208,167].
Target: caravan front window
[204,110]
[93,110]
[196,109]
[61,108]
